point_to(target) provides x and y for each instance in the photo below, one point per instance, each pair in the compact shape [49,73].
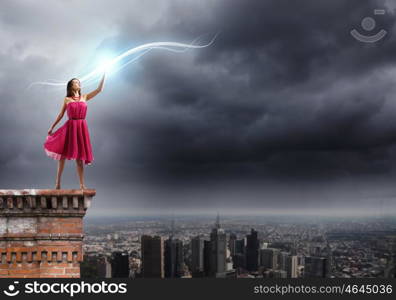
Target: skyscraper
[173,255]
[316,267]
[218,245]
[152,256]
[282,260]
[252,251]
[239,257]
[197,255]
[232,243]
[120,265]
[292,266]
[104,267]
[240,246]
[269,258]
[207,257]
[173,258]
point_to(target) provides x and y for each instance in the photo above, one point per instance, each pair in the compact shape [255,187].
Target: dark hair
[69,92]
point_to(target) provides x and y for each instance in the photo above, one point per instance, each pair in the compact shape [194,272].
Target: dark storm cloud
[284,109]
[282,78]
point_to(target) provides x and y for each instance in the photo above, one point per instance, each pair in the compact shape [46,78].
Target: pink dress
[71,141]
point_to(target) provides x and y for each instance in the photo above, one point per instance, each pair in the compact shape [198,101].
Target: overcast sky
[284,112]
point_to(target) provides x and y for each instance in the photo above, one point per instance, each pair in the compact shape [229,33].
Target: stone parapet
[41,232]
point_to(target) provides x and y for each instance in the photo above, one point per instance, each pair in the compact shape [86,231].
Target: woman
[71,141]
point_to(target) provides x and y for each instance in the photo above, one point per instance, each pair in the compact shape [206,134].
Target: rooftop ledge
[48,192]
[28,202]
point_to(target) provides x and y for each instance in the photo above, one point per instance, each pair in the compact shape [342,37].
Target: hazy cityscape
[239,247]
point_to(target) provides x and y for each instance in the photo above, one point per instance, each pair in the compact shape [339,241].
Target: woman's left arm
[98,90]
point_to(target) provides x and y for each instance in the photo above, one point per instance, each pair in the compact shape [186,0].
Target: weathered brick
[4,271]
[72,270]
[52,270]
[22,271]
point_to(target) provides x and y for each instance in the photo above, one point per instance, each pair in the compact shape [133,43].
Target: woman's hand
[50,131]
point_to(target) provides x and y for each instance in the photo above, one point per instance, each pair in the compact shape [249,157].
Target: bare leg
[80,171]
[61,165]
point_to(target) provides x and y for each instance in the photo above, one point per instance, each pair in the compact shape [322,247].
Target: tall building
[197,255]
[229,261]
[240,246]
[119,265]
[316,267]
[292,266]
[104,267]
[239,257]
[94,266]
[328,253]
[394,261]
[152,249]
[282,260]
[393,251]
[173,256]
[252,250]
[218,245]
[207,257]
[288,263]
[269,258]
[232,243]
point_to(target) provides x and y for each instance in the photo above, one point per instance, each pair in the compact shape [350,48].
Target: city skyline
[241,249]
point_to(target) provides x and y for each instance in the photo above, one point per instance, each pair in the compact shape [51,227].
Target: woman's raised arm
[98,90]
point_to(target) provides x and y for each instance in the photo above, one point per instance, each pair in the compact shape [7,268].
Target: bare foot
[57,186]
[83,187]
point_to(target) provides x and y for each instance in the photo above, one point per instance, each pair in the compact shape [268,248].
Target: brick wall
[41,232]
